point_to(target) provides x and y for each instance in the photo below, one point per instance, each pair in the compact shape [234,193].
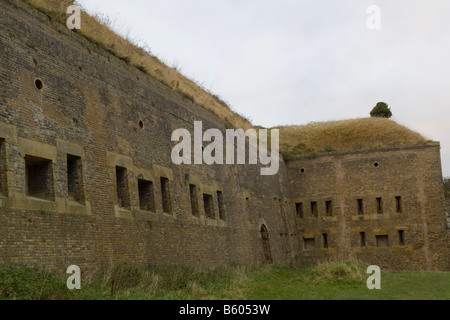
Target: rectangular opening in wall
[75,188]
[221,205]
[379,204]
[360,206]
[39,178]
[401,237]
[398,204]
[329,208]
[382,241]
[299,209]
[123,194]
[146,195]
[209,206]
[314,211]
[194,200]
[325,240]
[362,237]
[3,180]
[165,195]
[309,244]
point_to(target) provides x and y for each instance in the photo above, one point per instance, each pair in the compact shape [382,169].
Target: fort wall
[104,128]
[385,207]
[86,175]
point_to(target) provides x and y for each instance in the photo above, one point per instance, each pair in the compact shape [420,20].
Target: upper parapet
[346,136]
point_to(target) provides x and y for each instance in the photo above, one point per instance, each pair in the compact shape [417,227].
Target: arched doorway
[266,244]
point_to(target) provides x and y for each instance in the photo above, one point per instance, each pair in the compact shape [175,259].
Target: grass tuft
[337,273]
[29,283]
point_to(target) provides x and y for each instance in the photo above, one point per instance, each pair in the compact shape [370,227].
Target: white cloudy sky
[296,61]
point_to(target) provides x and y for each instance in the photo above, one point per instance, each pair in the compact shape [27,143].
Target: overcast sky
[296,61]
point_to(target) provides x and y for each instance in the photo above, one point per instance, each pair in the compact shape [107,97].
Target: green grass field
[336,281]
[294,284]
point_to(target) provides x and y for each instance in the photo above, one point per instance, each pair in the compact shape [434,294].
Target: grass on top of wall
[345,135]
[310,139]
[98,29]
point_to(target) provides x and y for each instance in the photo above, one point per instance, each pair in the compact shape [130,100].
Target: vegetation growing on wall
[98,30]
[311,139]
[447,187]
[345,135]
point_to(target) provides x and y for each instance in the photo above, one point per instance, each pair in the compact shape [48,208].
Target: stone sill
[215,222]
[120,212]
[167,217]
[38,204]
[75,207]
[60,205]
[153,216]
[149,215]
[376,216]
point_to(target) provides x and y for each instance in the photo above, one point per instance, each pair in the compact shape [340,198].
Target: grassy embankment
[98,29]
[310,139]
[345,136]
[327,281]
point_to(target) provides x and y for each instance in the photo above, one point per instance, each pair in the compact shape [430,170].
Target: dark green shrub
[381,110]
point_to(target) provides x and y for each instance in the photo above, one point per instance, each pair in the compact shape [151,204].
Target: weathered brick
[96,108]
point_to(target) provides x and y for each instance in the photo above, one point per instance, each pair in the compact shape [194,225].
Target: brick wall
[409,210]
[94,106]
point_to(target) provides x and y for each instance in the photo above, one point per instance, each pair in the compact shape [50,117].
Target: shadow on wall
[447,195]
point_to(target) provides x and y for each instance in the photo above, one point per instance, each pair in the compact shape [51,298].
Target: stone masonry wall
[102,130]
[409,184]
[95,107]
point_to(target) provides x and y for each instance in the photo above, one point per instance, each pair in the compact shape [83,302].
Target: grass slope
[99,30]
[345,135]
[285,283]
[335,281]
